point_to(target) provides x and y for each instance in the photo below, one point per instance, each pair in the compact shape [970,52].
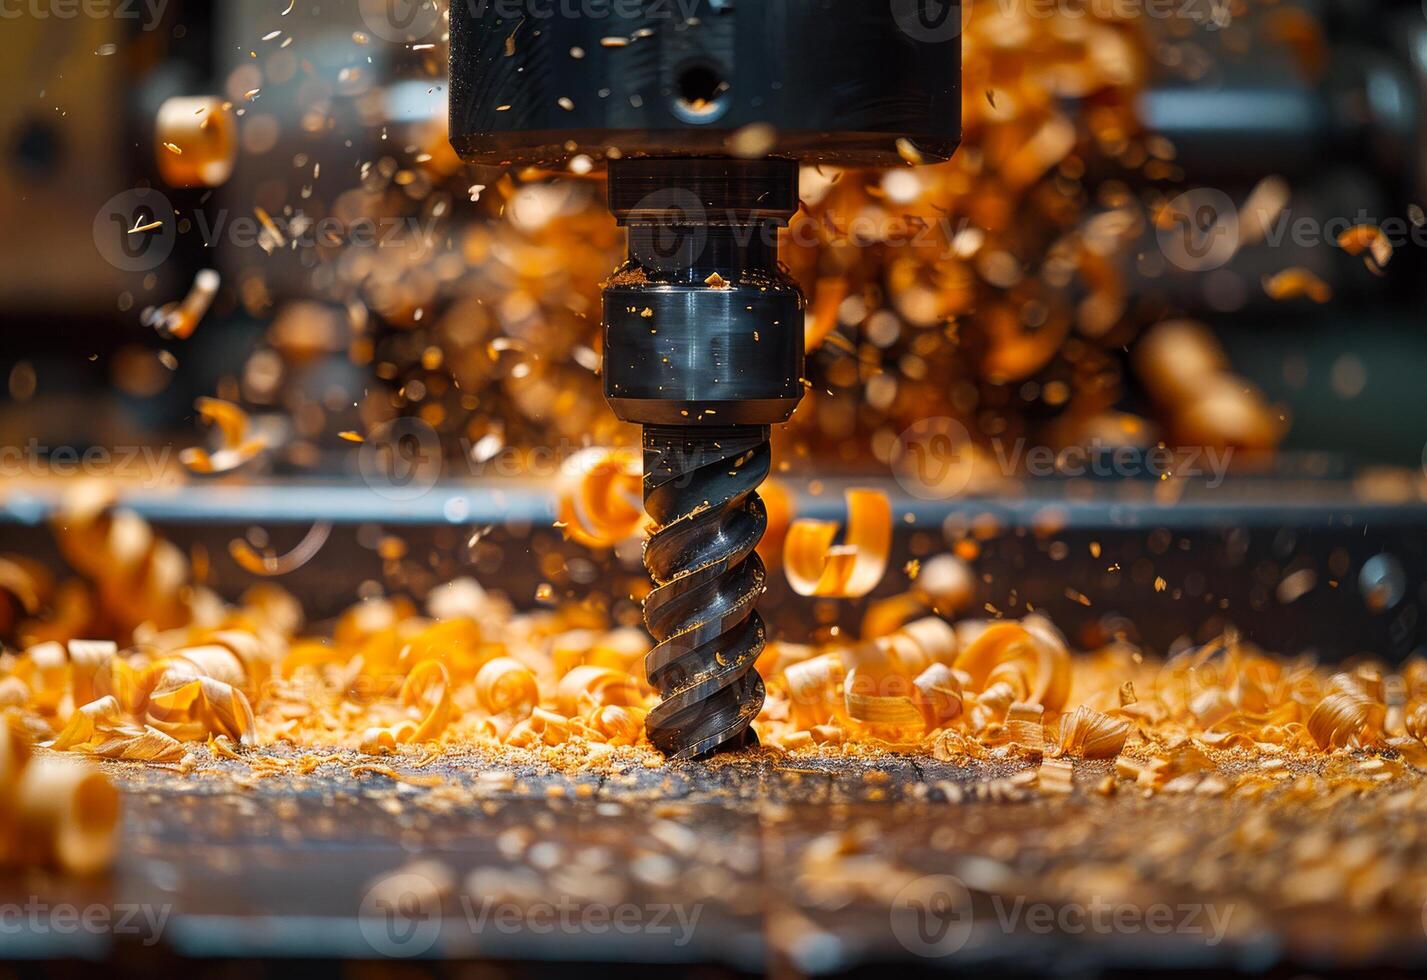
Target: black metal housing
[841,81]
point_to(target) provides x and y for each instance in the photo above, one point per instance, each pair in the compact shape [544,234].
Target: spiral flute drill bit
[700,488]
[703,335]
[703,119]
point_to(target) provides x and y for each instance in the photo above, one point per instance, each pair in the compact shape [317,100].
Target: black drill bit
[703,342]
[700,486]
[704,348]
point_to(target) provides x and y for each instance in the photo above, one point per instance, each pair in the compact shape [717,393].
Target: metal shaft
[700,486]
[704,349]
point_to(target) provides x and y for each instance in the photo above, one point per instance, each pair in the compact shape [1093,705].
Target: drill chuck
[701,325]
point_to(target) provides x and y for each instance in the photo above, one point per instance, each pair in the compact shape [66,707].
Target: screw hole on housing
[699,93]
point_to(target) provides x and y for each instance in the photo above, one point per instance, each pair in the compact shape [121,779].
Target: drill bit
[704,349]
[703,327]
[700,486]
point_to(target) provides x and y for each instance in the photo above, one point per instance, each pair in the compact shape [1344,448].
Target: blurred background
[1145,357]
[236,235]
[375,283]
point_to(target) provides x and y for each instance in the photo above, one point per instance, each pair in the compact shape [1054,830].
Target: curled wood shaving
[1347,716]
[179,320]
[618,724]
[918,645]
[1056,776]
[68,813]
[878,693]
[816,567]
[938,695]
[506,685]
[98,716]
[236,446]
[1092,734]
[559,681]
[272,565]
[1023,729]
[815,688]
[592,686]
[600,493]
[55,812]
[199,707]
[1030,657]
[133,576]
[1297,283]
[1369,239]
[427,692]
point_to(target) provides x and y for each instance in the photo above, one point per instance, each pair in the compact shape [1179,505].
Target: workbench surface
[812,865]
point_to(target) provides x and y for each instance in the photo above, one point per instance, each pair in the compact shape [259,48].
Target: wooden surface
[789,865]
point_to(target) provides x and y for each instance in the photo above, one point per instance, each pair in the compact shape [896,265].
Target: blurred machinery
[340,118]
[1326,95]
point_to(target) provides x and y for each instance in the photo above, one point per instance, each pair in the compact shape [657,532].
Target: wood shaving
[816,567]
